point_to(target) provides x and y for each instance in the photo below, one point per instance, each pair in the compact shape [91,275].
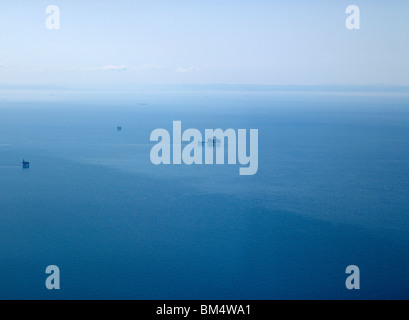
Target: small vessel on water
[215,141]
[211,142]
[26,164]
[119,128]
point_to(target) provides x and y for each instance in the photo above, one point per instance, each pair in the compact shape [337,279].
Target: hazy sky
[206,41]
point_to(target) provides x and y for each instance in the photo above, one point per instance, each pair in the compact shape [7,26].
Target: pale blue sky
[204,42]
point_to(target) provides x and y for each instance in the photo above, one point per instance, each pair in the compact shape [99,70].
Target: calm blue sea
[332,190]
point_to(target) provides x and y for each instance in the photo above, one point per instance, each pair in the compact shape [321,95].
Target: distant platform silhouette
[26,164]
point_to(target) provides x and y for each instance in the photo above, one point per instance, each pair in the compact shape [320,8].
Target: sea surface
[332,190]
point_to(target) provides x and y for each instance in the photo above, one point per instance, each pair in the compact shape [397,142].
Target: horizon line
[265,87]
